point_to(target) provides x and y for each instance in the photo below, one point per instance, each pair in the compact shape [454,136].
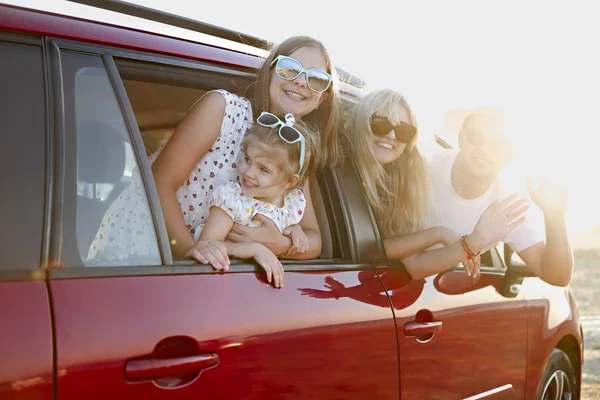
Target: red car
[82,105]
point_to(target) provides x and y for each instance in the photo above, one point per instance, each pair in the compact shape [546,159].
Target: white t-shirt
[461,215]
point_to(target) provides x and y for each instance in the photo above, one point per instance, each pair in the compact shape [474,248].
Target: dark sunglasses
[478,138]
[286,131]
[289,69]
[381,126]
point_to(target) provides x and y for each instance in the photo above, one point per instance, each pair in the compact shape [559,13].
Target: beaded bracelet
[470,254]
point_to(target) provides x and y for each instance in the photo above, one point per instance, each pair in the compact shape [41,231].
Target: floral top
[242,209]
[218,166]
[127,228]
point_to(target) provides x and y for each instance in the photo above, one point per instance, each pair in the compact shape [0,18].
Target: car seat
[100,160]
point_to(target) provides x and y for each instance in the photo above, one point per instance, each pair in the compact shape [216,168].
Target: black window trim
[189,267]
[137,143]
[57,216]
[99,49]
[57,167]
[20,38]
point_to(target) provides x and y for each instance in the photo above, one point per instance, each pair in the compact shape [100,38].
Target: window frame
[56,47]
[345,238]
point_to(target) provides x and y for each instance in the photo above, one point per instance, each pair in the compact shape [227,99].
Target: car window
[23,145]
[161,97]
[110,198]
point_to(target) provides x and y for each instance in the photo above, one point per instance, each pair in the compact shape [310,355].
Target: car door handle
[150,369]
[414,328]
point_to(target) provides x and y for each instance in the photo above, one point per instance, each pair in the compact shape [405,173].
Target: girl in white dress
[298,78]
[276,158]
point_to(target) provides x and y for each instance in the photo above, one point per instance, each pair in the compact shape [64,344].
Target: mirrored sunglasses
[289,69]
[381,126]
[287,133]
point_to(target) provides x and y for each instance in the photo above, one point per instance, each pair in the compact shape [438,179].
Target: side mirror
[516,270]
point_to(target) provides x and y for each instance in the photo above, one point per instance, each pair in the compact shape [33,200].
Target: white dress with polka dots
[242,209]
[118,239]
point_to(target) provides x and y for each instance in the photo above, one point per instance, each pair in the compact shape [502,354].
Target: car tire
[559,380]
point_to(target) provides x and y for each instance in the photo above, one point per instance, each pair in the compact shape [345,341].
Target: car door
[25,324]
[158,328]
[459,339]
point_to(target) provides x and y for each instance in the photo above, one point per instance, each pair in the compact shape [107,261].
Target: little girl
[276,158]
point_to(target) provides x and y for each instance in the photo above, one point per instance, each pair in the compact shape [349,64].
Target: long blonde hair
[397,191]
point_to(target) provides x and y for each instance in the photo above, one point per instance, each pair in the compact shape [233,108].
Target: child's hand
[211,252]
[270,263]
[299,240]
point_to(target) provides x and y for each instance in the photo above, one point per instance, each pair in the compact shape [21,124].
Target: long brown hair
[397,191]
[325,118]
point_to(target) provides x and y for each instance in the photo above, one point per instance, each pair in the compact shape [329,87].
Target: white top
[127,228]
[461,215]
[218,166]
[242,209]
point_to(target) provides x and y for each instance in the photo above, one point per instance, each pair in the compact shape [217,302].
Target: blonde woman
[382,134]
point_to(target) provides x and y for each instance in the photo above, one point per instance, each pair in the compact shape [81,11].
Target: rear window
[23,144]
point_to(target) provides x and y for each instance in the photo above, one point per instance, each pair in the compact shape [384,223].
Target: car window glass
[23,145]
[114,225]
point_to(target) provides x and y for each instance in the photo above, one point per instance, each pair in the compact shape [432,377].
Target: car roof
[134,33]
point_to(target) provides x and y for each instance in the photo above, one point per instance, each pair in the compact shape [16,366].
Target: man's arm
[551,261]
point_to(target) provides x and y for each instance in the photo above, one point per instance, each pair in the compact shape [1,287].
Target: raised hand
[550,197]
[497,221]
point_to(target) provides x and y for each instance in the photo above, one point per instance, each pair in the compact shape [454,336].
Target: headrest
[100,153]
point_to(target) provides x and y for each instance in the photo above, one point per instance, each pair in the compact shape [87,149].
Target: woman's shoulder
[232,99]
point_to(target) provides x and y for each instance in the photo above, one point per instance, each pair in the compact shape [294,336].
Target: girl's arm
[211,244]
[401,247]
[427,263]
[268,234]
[497,221]
[192,139]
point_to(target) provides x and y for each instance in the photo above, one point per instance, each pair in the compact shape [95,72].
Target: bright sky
[536,60]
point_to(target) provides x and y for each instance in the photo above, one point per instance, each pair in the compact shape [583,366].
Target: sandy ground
[586,286]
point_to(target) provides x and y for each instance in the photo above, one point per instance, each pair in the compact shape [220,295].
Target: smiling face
[295,96]
[484,147]
[387,148]
[262,173]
